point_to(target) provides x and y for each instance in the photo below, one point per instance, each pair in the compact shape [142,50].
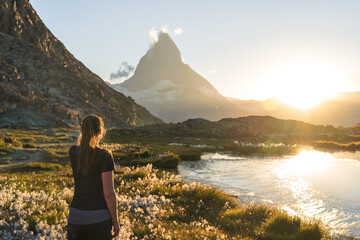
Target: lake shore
[154,204]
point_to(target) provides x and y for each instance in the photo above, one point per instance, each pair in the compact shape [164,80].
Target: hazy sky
[246,49]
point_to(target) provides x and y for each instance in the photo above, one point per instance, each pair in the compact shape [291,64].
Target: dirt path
[21,156]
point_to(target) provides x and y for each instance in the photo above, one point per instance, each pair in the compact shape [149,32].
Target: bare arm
[110,197]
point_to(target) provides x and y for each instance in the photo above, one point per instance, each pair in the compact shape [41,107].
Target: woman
[93,209]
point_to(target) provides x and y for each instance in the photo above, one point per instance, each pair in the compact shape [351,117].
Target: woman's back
[93,209]
[89,193]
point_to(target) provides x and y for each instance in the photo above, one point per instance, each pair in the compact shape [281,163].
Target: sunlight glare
[304,84]
[307,162]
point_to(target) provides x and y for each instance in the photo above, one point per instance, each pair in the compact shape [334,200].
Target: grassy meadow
[36,188]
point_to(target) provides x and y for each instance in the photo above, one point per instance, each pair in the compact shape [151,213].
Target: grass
[165,161]
[186,211]
[36,167]
[191,211]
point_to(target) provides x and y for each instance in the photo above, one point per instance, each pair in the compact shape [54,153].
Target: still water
[315,184]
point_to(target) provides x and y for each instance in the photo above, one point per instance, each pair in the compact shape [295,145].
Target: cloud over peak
[154,33]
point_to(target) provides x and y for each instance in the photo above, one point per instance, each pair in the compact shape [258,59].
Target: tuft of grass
[285,227]
[204,202]
[245,221]
[282,226]
[132,176]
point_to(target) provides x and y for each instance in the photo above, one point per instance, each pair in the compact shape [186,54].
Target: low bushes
[353,146]
[190,155]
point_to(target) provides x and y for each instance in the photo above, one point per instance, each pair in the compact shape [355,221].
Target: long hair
[92,131]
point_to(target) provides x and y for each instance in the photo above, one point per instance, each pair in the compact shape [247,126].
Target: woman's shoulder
[104,151]
[73,149]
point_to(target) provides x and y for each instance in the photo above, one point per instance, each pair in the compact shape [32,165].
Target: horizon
[244,55]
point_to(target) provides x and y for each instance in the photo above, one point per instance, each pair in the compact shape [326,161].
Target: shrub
[190,155]
[13,142]
[282,227]
[204,202]
[145,153]
[170,160]
[310,232]
[29,145]
[6,149]
[352,146]
[134,175]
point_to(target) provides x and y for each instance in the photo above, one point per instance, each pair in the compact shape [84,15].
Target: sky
[245,49]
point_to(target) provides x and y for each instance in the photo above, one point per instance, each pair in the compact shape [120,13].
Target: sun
[304,84]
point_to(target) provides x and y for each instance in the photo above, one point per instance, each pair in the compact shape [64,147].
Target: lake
[316,184]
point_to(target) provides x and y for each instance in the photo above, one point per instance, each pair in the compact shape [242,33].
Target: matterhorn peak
[165,50]
[171,89]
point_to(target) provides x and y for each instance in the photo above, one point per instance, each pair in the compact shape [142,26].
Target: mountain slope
[172,90]
[344,110]
[39,75]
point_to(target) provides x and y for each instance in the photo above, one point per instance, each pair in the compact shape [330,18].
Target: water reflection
[313,183]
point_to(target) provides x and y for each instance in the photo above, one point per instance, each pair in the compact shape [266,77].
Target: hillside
[42,79]
[251,127]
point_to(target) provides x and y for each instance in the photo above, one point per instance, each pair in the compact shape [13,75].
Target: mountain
[42,79]
[171,89]
[343,110]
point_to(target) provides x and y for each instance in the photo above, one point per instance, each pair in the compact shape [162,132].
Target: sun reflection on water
[313,184]
[296,174]
[309,162]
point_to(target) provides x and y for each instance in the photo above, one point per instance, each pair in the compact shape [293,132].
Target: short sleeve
[72,153]
[108,163]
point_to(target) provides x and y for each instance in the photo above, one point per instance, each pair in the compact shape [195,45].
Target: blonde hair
[91,133]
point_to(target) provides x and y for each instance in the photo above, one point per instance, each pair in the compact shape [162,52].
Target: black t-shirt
[88,194]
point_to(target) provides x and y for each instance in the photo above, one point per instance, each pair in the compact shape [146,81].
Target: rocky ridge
[234,128]
[39,75]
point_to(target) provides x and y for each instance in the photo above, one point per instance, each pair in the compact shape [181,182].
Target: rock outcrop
[39,75]
[242,127]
